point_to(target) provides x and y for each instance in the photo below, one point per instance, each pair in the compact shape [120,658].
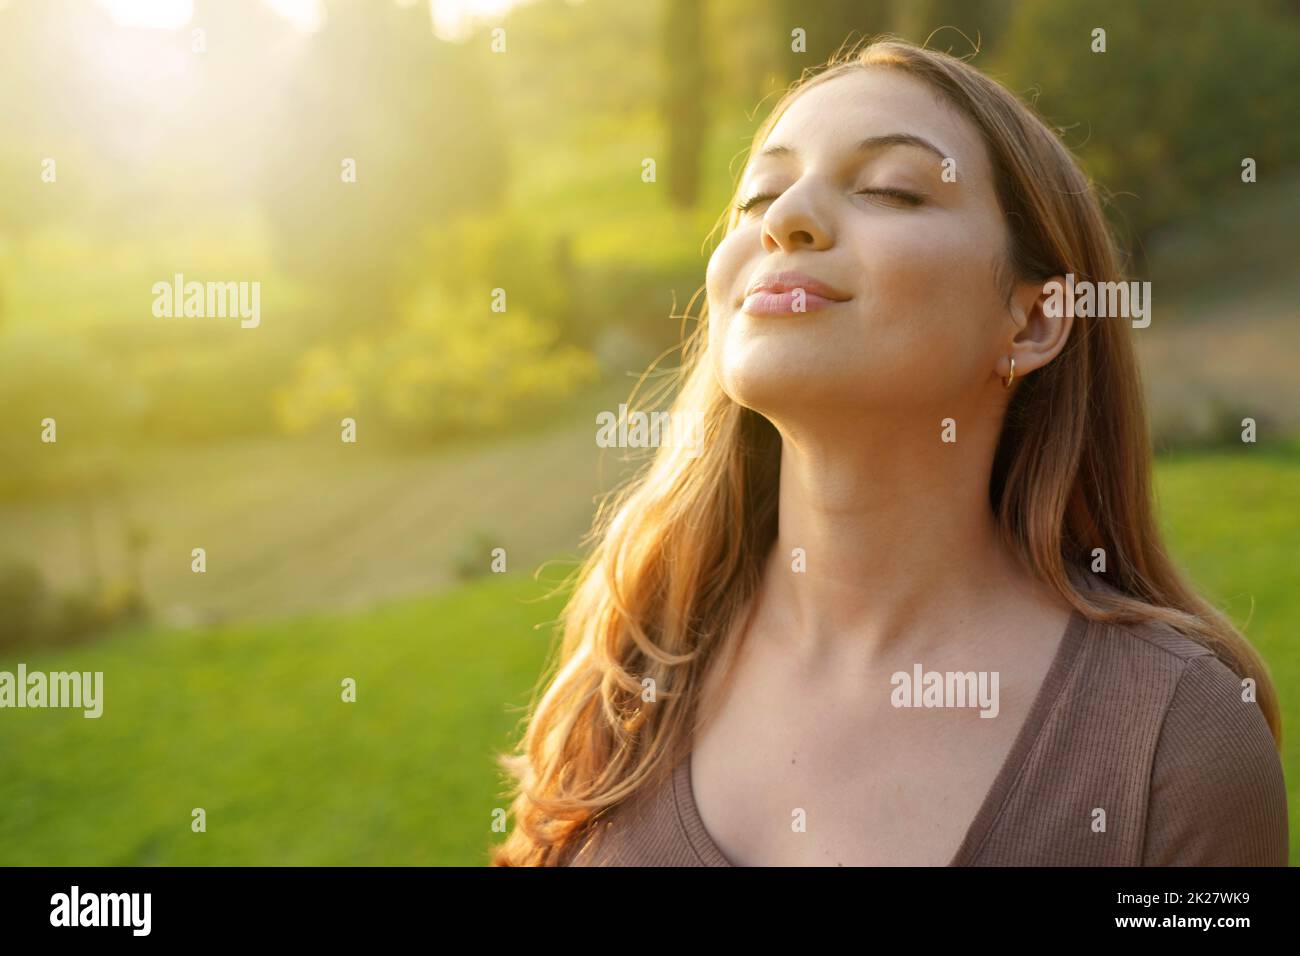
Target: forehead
[829,119]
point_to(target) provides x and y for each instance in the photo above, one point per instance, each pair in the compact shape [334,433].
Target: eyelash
[911,199]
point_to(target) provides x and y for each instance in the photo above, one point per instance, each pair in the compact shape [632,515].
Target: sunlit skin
[903,561]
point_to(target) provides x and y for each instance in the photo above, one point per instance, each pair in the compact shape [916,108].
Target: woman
[907,604]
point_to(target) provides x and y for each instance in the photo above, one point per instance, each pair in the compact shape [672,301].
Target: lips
[790,281]
[787,293]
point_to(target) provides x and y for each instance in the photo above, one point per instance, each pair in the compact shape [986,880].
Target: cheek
[722,284]
[932,291]
[722,277]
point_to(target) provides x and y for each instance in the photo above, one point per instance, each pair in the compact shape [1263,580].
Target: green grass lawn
[248,723]
[246,720]
[1232,519]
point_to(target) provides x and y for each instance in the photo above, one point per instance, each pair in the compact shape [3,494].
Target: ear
[1041,325]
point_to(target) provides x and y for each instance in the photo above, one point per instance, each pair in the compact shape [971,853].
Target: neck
[899,536]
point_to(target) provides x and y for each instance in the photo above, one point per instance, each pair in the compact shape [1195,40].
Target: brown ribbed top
[1136,719]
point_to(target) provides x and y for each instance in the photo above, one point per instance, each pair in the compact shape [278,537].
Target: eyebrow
[867,145]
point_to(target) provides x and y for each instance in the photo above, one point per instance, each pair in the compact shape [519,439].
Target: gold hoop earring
[1007,383]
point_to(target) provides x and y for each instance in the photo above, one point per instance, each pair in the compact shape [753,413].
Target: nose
[794,220]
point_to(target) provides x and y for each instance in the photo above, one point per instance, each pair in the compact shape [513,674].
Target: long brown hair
[677,553]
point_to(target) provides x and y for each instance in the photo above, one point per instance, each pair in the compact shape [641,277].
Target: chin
[765,384]
[779,367]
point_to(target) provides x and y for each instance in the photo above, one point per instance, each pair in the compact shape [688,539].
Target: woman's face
[851,197]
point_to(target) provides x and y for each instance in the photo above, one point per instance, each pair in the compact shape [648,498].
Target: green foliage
[519,171]
[1165,116]
[468,257]
[462,367]
[452,367]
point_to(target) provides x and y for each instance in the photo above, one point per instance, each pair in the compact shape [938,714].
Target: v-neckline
[688,813]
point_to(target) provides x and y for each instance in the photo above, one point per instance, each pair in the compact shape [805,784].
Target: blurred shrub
[31,614]
[26,609]
[469,257]
[452,367]
[1167,113]
[1207,418]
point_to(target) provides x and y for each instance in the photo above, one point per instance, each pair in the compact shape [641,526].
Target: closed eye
[899,195]
[753,201]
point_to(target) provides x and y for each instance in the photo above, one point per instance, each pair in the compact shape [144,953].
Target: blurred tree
[571,66]
[748,63]
[685,80]
[827,27]
[417,116]
[958,27]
